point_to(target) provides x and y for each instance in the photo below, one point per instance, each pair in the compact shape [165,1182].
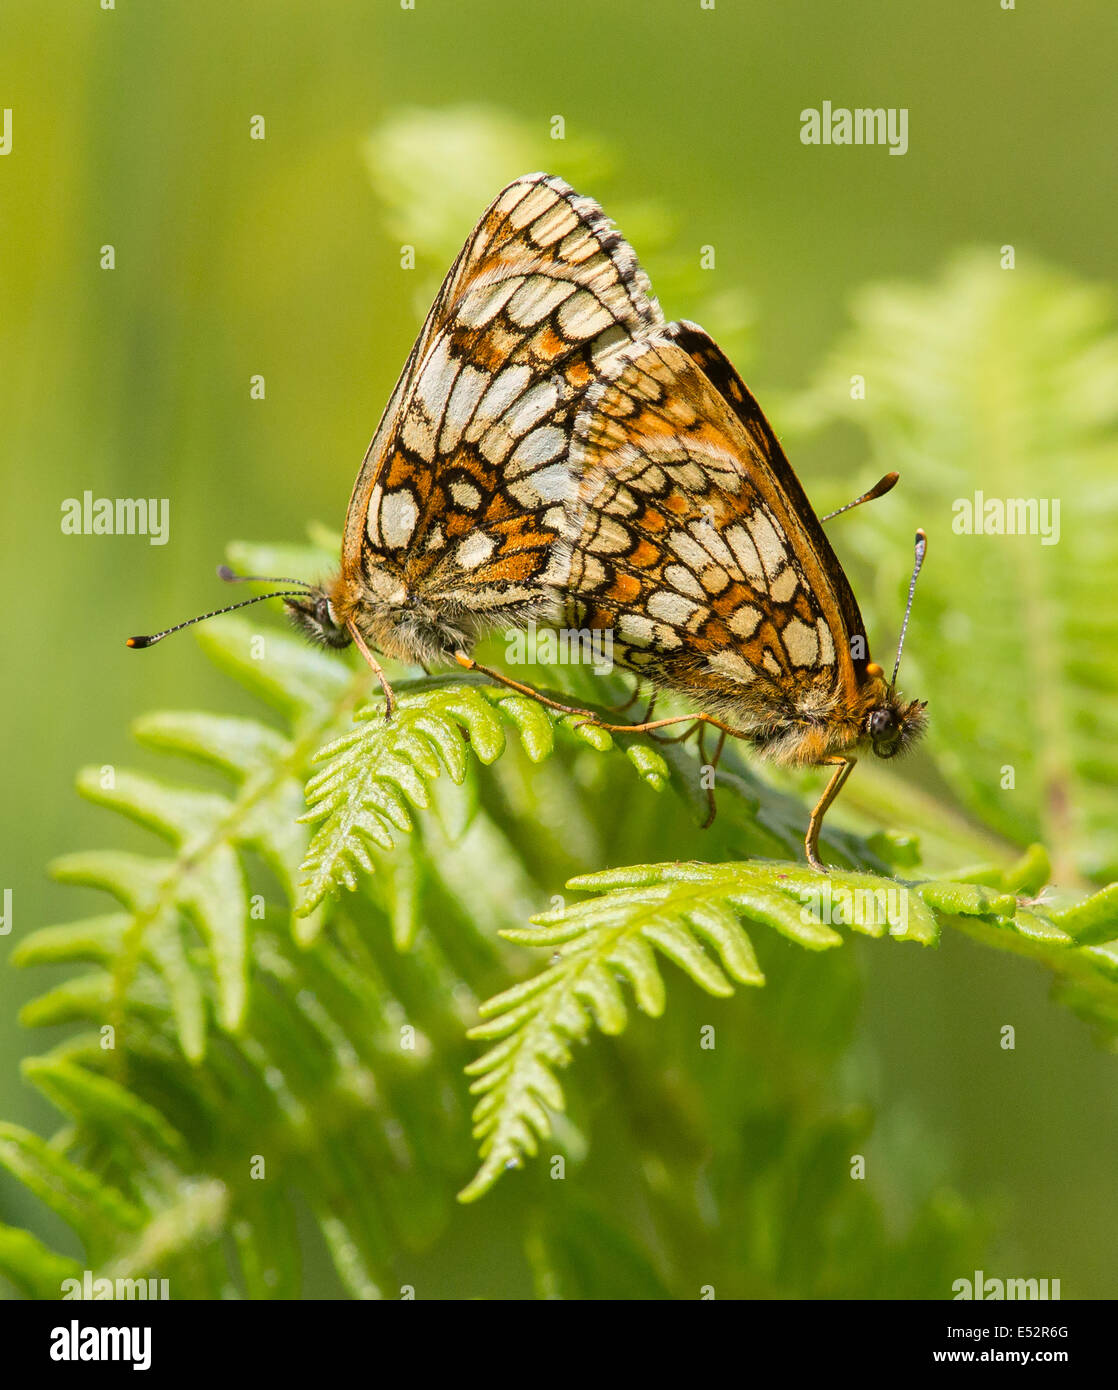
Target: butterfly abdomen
[416,626]
[794,729]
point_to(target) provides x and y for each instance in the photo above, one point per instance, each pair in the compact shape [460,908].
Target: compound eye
[881,722]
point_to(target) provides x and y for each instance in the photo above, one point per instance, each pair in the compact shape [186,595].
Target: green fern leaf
[377,773]
[89,1205]
[34,1268]
[690,914]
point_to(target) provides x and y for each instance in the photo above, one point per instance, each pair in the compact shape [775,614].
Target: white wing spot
[466,496]
[715,579]
[554,224]
[745,552]
[582,317]
[578,246]
[784,585]
[541,446]
[468,390]
[515,193]
[715,547]
[801,643]
[609,538]
[372,517]
[635,628]
[734,665]
[537,202]
[670,607]
[689,550]
[484,303]
[744,621]
[770,545]
[436,378]
[689,476]
[476,548]
[399,512]
[606,344]
[666,637]
[496,444]
[536,298]
[531,408]
[593,573]
[545,485]
[504,389]
[418,435]
[681,578]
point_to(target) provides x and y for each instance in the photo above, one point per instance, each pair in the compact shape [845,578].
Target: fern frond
[313,1094]
[203,879]
[691,914]
[32,1266]
[307,1072]
[378,772]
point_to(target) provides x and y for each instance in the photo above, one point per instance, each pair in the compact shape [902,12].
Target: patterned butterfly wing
[693,541]
[459,500]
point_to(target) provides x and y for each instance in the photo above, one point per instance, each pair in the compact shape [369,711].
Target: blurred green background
[281,257]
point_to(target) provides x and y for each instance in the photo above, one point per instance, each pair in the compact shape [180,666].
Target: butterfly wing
[693,541]
[460,495]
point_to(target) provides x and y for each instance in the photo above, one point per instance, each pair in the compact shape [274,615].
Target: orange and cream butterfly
[692,541]
[554,452]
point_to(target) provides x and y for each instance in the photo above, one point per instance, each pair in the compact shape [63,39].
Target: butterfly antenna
[879,489]
[152,638]
[230,577]
[921,550]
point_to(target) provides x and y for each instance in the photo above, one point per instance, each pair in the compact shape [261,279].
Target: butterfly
[555,453]
[693,542]
[455,517]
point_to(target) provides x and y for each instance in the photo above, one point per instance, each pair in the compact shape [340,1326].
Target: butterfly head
[314,615]
[893,725]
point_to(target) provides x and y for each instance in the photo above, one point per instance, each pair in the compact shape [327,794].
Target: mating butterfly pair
[554,452]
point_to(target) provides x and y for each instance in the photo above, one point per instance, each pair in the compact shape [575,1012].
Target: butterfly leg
[471,665]
[696,720]
[377,670]
[713,765]
[630,702]
[843,766]
[676,738]
[645,721]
